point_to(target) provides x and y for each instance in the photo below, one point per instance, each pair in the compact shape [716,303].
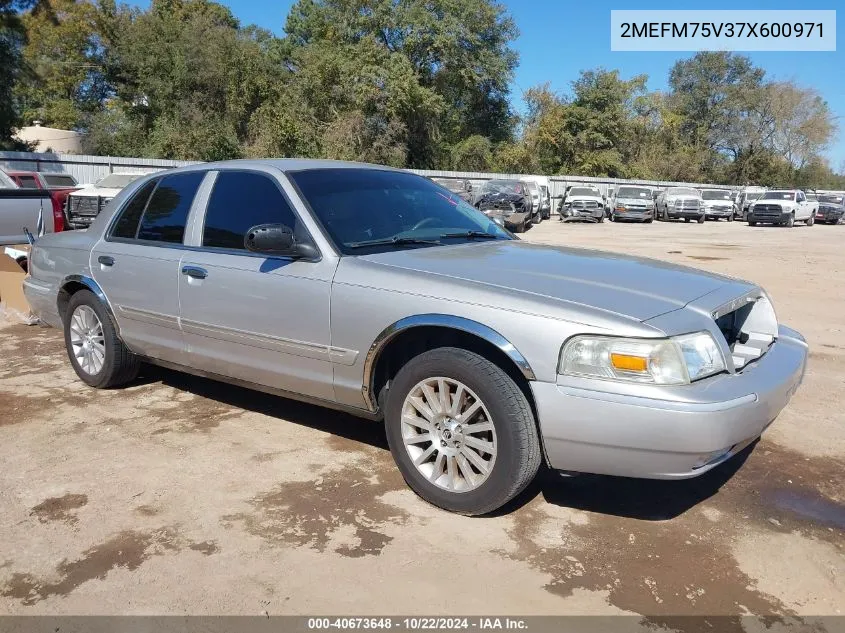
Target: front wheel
[461,431]
[752,223]
[811,220]
[790,221]
[701,219]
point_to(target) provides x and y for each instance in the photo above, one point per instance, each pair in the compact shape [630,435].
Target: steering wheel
[425,222]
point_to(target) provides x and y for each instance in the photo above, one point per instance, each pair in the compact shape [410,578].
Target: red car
[59,186]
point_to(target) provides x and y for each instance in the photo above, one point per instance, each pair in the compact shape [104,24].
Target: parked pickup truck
[783,207]
[365,289]
[24,208]
[85,204]
[680,202]
[60,187]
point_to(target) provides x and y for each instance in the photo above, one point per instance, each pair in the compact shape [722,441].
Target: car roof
[291,164]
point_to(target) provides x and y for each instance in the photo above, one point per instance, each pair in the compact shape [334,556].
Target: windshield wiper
[472,235]
[391,241]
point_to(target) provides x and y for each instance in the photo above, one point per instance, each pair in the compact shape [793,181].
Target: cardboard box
[13,303]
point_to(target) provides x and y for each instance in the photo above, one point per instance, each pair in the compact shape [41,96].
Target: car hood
[585,199]
[500,199]
[629,286]
[683,197]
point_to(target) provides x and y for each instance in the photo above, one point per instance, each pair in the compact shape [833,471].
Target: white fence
[89,169]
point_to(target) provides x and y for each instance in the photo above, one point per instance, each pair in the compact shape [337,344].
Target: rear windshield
[778,195]
[633,192]
[59,180]
[711,194]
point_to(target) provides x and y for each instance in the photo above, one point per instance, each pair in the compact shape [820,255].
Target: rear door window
[167,211]
[127,224]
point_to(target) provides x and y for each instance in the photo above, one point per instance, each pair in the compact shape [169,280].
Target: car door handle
[195,271]
[106,260]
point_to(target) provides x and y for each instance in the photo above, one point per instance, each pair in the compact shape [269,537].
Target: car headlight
[678,360]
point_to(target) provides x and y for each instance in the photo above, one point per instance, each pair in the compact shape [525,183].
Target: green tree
[12,40]
[458,50]
[61,57]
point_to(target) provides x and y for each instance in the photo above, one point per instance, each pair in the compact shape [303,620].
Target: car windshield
[456,186]
[117,181]
[778,195]
[502,186]
[633,192]
[584,191]
[832,199]
[715,194]
[682,191]
[367,210]
[59,180]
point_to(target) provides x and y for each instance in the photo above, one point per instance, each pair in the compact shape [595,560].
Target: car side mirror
[277,239]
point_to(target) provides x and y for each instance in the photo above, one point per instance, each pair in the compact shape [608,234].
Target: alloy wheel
[87,341]
[449,434]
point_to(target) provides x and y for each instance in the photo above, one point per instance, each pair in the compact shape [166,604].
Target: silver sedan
[380,293]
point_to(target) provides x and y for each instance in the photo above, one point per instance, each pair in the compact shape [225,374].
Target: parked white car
[784,207]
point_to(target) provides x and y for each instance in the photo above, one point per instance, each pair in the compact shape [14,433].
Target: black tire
[686,220]
[518,445]
[752,223]
[649,221]
[701,219]
[810,221]
[731,217]
[790,221]
[120,365]
[601,219]
[539,218]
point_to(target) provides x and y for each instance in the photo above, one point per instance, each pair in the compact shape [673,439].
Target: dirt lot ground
[180,495]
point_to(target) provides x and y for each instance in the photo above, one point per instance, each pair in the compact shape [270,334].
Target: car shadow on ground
[644,499]
[284,409]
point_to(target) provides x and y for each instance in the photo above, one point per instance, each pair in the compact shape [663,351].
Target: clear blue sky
[559,38]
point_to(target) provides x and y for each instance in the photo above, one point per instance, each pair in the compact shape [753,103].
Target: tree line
[408,83]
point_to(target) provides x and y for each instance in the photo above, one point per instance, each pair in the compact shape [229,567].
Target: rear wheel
[95,351]
[461,431]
